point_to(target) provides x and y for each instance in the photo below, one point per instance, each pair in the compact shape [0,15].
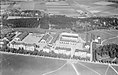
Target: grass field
[108,36]
[94,69]
[24,65]
[27,65]
[114,40]
[32,38]
[65,70]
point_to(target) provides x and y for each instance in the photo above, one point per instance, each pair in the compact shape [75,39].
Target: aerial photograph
[58,37]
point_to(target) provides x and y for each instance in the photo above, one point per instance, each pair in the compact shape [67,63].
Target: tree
[44,22]
[111,50]
[35,52]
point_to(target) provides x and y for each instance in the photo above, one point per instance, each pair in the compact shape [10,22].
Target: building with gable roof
[45,40]
[17,45]
[68,43]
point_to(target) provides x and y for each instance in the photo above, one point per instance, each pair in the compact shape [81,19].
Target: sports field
[27,65]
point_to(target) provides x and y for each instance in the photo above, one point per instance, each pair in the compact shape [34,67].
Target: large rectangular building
[69,42]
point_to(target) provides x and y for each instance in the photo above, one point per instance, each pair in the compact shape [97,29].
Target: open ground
[14,64]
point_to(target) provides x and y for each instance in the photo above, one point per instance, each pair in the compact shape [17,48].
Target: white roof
[69,34]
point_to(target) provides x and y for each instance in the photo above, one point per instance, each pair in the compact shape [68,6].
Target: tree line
[110,50]
[40,53]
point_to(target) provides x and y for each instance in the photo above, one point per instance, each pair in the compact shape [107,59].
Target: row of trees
[110,50]
[24,22]
[62,22]
[35,52]
[41,53]
[24,13]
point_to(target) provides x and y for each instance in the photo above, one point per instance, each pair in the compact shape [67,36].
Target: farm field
[26,65]
[97,7]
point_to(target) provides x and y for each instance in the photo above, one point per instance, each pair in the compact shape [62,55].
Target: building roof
[55,37]
[68,34]
[1,42]
[10,37]
[18,43]
[47,47]
[78,50]
[47,37]
[22,36]
[62,48]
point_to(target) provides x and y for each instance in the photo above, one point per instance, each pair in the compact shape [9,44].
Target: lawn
[26,65]
[114,40]
[94,69]
[32,38]
[103,33]
[65,70]
[106,34]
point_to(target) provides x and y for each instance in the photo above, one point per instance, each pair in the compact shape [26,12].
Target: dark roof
[77,50]
[46,37]
[55,37]
[66,40]
[11,37]
[70,36]
[31,11]
[22,36]
[62,48]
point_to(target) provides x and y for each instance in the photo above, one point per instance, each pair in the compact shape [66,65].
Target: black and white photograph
[58,37]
